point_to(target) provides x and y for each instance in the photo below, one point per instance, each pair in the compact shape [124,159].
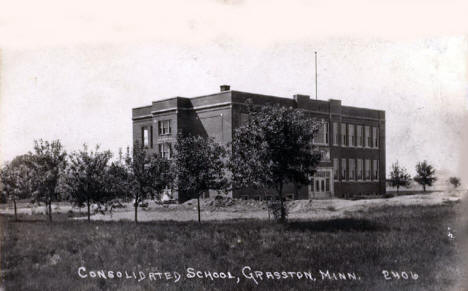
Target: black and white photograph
[233,145]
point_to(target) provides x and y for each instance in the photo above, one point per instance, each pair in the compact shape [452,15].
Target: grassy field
[37,255]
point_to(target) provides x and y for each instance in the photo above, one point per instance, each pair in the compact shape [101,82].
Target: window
[352,169]
[145,136]
[359,169]
[165,150]
[325,155]
[351,136]
[164,127]
[367,137]
[360,141]
[375,172]
[367,169]
[344,136]
[336,134]
[343,169]
[375,137]
[335,169]
[321,137]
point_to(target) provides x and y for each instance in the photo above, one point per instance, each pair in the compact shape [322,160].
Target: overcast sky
[73,71]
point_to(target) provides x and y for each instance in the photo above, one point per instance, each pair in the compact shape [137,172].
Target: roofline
[258,94]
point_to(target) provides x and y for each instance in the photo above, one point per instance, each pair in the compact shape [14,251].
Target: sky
[73,70]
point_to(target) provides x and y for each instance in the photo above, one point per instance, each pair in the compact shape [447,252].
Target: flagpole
[316,76]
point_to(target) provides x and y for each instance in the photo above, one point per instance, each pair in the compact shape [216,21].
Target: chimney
[301,100]
[225,88]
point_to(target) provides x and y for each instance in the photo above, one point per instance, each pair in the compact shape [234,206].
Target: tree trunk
[89,211]
[16,215]
[282,210]
[136,212]
[424,187]
[136,209]
[198,206]
[398,189]
[50,210]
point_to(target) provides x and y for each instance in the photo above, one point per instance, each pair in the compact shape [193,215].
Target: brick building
[352,139]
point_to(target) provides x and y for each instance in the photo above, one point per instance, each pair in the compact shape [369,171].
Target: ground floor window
[165,150]
[375,172]
[343,169]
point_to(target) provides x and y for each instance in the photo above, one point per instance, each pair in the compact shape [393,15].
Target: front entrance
[321,185]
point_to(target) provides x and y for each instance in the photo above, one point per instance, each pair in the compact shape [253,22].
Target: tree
[16,180]
[84,178]
[425,174]
[117,178]
[200,166]
[274,148]
[47,162]
[455,181]
[148,175]
[399,177]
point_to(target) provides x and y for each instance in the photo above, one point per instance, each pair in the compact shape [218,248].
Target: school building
[352,139]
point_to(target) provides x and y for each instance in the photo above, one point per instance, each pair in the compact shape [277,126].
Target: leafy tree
[399,177]
[47,162]
[455,181]
[117,178]
[148,175]
[425,174]
[274,148]
[16,180]
[200,166]
[85,177]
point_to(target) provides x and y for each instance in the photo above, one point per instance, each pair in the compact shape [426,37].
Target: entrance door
[320,186]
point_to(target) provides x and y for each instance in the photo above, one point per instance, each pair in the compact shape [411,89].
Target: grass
[36,255]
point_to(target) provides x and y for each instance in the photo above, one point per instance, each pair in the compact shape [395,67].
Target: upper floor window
[344,136]
[321,137]
[336,134]
[367,137]
[325,155]
[360,136]
[165,150]
[164,127]
[351,136]
[147,136]
[375,137]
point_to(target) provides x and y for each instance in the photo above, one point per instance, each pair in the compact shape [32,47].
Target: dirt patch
[227,208]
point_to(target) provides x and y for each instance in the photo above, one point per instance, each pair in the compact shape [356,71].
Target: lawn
[37,255]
